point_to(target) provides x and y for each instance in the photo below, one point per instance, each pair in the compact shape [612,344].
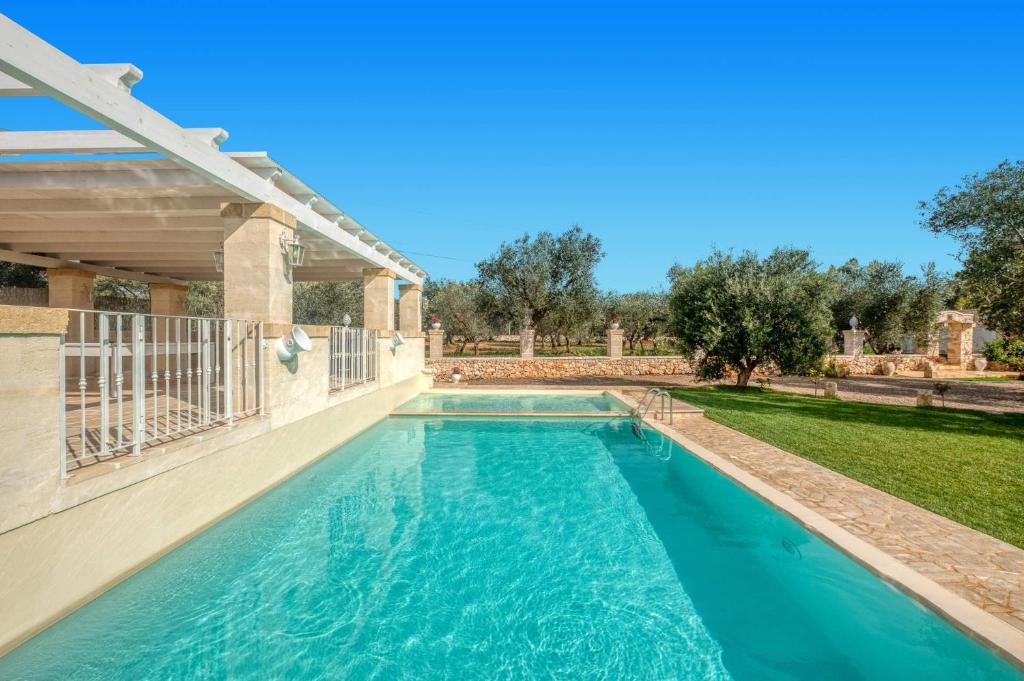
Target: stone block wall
[872,364]
[478,368]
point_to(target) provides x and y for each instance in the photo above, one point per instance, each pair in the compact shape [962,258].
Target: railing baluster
[119,378]
[177,371]
[188,373]
[167,375]
[138,383]
[258,347]
[62,415]
[82,385]
[217,413]
[103,381]
[156,377]
[228,392]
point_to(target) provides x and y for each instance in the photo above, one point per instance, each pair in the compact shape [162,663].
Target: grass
[964,465]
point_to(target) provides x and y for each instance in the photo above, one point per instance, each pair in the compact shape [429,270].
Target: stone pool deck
[980,569]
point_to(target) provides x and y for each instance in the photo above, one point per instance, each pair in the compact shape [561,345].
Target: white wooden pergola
[149,219]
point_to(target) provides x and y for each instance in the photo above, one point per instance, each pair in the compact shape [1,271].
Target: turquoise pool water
[448,548]
[517,402]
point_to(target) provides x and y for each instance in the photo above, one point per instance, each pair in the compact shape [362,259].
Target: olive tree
[743,312]
[643,316]
[456,304]
[327,302]
[888,304]
[985,214]
[531,281]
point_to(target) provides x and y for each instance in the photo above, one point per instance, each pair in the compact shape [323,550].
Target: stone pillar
[526,337]
[379,299]
[72,289]
[615,343]
[167,299]
[257,275]
[410,311]
[853,342]
[436,337]
[960,350]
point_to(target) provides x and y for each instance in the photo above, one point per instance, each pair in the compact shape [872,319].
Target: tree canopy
[985,214]
[889,305]
[643,316]
[743,312]
[457,306]
[530,281]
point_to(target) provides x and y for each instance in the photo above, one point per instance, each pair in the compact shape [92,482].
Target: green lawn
[965,465]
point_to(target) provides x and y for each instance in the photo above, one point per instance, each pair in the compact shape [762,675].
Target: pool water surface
[466,548]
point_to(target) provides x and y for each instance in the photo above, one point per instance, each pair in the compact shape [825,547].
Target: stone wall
[872,364]
[477,368]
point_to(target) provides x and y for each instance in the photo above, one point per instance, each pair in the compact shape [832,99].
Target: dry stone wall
[480,368]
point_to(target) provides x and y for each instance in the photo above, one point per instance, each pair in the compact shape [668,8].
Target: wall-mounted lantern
[218,259]
[294,249]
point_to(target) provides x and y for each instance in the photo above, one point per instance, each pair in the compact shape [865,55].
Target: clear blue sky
[664,128]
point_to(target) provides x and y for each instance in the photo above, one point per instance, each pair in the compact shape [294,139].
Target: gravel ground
[998,397]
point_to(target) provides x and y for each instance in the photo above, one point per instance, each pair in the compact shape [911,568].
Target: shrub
[1006,351]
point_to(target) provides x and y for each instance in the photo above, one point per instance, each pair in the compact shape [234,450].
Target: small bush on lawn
[1006,351]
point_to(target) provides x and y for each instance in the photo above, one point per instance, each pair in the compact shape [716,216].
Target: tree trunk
[743,374]
[476,348]
[462,349]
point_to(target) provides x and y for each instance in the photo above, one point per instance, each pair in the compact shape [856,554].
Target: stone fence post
[853,342]
[526,337]
[615,343]
[436,344]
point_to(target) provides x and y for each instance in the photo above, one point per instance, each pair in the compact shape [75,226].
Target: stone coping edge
[27,320]
[967,617]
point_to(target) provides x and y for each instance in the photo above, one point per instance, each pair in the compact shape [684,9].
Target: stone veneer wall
[478,368]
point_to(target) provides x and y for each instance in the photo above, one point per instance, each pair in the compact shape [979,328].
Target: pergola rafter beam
[16,143]
[44,261]
[121,76]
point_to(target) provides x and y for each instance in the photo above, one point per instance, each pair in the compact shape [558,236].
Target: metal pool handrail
[643,406]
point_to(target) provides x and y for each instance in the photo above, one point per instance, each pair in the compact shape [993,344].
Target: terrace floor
[983,570]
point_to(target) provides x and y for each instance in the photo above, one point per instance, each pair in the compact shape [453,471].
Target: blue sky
[666,128]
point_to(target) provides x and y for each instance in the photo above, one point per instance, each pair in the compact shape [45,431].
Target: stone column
[379,299]
[410,312]
[615,343]
[436,337]
[853,342]
[167,299]
[526,337]
[257,275]
[72,288]
[960,349]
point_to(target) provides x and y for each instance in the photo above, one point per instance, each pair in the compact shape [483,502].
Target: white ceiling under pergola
[152,219]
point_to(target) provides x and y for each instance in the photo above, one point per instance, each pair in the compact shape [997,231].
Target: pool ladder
[638,412]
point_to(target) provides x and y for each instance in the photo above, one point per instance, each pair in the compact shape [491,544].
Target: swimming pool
[469,548]
[460,401]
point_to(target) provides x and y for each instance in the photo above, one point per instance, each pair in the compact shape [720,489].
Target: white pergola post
[257,276]
[379,299]
[410,311]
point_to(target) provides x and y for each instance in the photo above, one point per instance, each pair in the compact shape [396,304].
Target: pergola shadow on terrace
[192,212]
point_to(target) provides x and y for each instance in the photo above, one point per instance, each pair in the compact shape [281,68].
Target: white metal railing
[353,357]
[129,381]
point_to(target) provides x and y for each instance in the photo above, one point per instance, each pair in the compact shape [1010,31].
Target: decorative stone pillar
[379,299]
[436,338]
[615,343]
[167,299]
[526,337]
[257,274]
[960,349]
[410,310]
[853,342]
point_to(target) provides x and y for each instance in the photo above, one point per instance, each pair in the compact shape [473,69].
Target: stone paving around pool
[981,569]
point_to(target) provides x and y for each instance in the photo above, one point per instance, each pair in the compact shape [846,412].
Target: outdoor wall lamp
[291,345]
[218,259]
[294,249]
[396,340]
